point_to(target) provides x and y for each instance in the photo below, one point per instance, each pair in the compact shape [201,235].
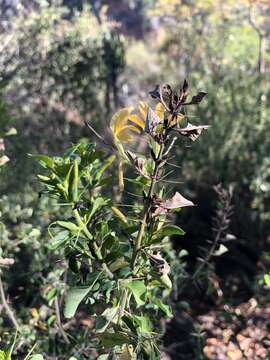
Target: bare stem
[123,302]
[7,307]
[58,319]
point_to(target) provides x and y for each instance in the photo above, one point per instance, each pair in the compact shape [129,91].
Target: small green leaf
[166,281]
[169,230]
[36,357]
[75,296]
[73,299]
[138,289]
[163,307]
[74,182]
[106,163]
[118,264]
[182,253]
[12,131]
[44,160]
[267,279]
[143,323]
[113,339]
[104,320]
[68,225]
[4,355]
[58,240]
[97,204]
[103,357]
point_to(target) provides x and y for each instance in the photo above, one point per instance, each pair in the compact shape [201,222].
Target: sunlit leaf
[138,289]
[169,230]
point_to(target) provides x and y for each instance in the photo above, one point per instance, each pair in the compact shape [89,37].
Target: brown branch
[6,306]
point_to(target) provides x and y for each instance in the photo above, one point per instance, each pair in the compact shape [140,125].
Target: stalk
[123,302]
[147,207]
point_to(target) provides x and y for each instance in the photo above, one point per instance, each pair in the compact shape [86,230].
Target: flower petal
[127,127]
[120,119]
[136,120]
[160,110]
[143,108]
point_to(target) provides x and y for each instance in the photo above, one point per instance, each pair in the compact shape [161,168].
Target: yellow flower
[124,125]
[120,126]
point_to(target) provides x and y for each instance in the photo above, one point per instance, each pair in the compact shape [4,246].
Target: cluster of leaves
[117,264]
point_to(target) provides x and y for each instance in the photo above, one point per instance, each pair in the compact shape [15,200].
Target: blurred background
[63,62]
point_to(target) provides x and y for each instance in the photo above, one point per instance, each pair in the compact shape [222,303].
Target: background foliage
[62,63]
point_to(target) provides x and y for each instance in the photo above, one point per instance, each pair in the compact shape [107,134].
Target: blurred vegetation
[61,64]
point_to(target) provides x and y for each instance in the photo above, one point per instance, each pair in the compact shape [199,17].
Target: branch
[58,320]
[6,306]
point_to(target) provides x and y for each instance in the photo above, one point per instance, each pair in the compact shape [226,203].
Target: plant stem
[92,242]
[7,307]
[147,207]
[123,302]
[58,319]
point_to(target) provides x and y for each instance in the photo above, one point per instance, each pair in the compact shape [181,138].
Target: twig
[7,307]
[58,320]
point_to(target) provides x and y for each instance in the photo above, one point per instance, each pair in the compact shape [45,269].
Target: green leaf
[166,281]
[169,230]
[143,323]
[103,321]
[36,357]
[73,182]
[97,204]
[44,160]
[113,339]
[4,355]
[74,298]
[58,240]
[106,164]
[138,289]
[182,253]
[267,279]
[68,225]
[103,357]
[165,308]
[12,131]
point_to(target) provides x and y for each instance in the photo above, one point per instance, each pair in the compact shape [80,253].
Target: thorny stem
[147,207]
[92,243]
[7,307]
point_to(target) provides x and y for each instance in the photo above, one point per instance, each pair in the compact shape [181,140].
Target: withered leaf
[176,202]
[155,93]
[160,263]
[192,131]
[197,98]
[152,123]
[138,163]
